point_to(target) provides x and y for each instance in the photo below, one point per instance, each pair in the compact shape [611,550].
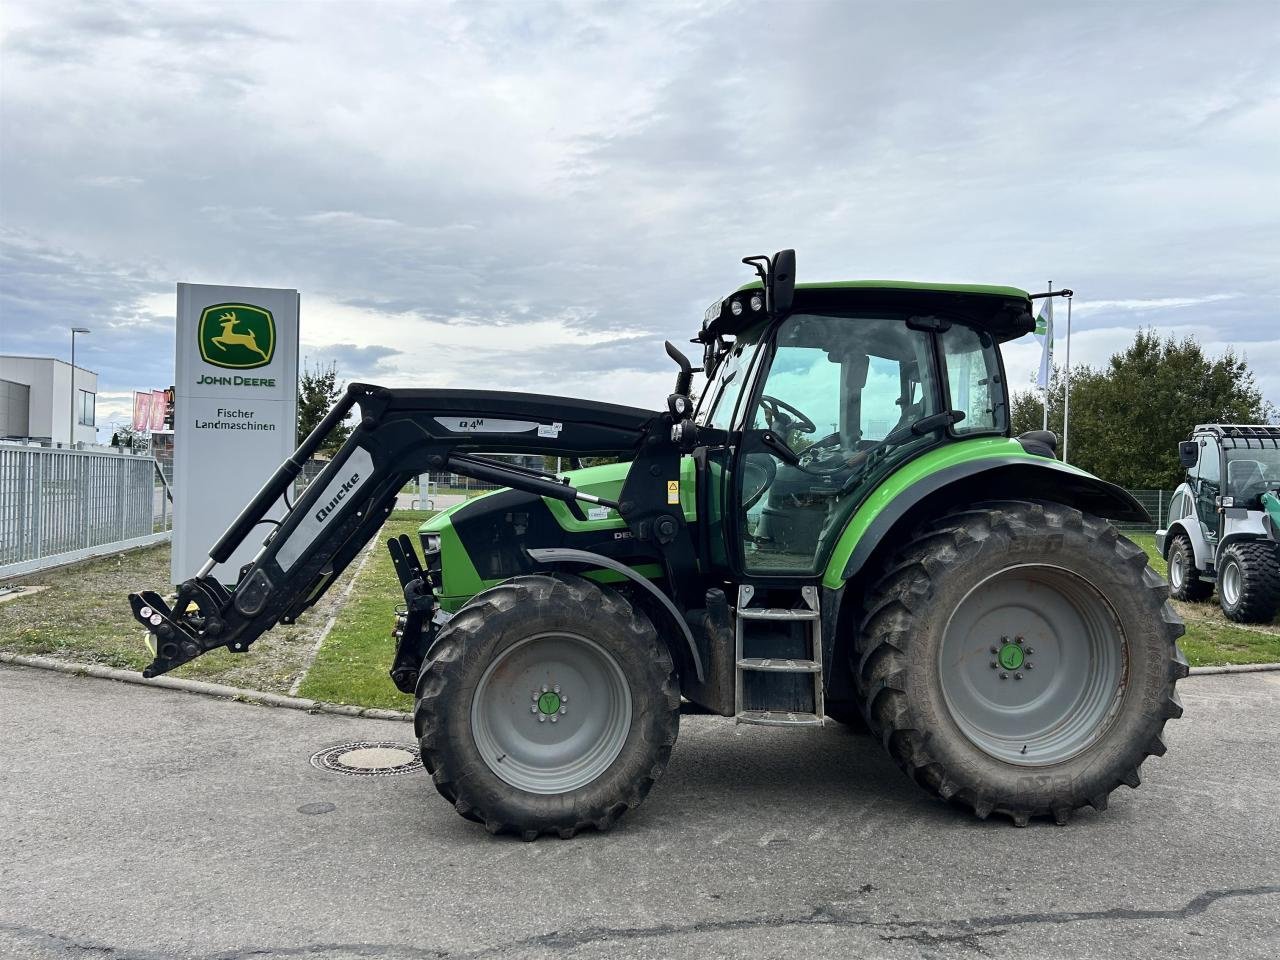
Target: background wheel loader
[841,526]
[1224,521]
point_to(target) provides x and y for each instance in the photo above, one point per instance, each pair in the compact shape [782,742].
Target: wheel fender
[1199,546]
[556,555]
[971,481]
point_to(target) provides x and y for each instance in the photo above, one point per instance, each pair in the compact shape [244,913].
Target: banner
[1044,333]
[157,409]
[235,414]
[141,410]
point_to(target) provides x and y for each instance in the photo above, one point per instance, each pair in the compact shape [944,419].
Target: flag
[141,410]
[157,409]
[1044,333]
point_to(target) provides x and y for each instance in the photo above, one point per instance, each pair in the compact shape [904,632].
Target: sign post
[235,413]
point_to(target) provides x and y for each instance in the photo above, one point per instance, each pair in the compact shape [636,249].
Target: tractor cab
[833,396]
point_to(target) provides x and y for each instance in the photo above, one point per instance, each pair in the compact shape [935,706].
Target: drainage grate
[368,758]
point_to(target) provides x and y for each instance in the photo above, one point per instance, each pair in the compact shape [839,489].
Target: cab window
[973,380]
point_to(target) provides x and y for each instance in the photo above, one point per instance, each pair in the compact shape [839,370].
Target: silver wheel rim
[1231,582]
[551,713]
[1177,568]
[1059,693]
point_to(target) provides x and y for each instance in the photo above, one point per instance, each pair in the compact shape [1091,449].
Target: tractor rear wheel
[1184,584]
[1249,581]
[1020,658]
[548,705]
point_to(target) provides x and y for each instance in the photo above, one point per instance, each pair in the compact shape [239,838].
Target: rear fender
[879,524]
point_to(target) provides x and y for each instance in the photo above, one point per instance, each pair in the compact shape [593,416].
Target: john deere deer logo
[237,336]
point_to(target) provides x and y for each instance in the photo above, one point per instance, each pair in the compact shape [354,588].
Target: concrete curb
[1236,668]
[265,699]
[221,691]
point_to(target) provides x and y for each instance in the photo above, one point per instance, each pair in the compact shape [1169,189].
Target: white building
[37,400]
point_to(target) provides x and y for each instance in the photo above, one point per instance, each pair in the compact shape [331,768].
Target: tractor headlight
[431,543]
[757,302]
[735,307]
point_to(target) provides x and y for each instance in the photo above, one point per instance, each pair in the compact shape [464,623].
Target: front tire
[1184,583]
[1249,581]
[1020,658]
[549,705]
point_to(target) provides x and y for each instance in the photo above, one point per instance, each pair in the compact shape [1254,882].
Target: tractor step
[762,613]
[780,664]
[772,718]
[778,658]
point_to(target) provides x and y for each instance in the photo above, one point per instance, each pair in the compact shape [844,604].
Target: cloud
[536,195]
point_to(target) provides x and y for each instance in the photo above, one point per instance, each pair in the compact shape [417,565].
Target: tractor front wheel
[1184,583]
[548,705]
[1020,658]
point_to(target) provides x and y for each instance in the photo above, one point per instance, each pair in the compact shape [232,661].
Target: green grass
[352,665]
[83,616]
[1211,639]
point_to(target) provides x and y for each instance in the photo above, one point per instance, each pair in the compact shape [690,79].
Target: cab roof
[1004,312]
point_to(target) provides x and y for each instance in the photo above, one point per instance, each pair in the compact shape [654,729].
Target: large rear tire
[1020,658]
[548,705]
[1184,583]
[1249,581]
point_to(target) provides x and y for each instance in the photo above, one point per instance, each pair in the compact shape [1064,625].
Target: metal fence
[57,506]
[1156,503]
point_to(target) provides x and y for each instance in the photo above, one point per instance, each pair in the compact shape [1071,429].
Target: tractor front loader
[840,528]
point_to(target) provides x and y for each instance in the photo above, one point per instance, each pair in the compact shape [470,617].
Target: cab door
[1208,488]
[827,416]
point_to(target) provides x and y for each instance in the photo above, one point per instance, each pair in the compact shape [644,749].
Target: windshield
[1250,472]
[722,394]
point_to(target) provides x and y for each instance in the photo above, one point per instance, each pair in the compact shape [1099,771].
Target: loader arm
[401,434]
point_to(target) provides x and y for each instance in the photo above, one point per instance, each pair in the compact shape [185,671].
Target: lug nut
[554,719]
[993,664]
[1003,675]
[534,708]
[1018,640]
[541,719]
[544,688]
[994,650]
[1030,665]
[1030,650]
[1017,676]
[556,688]
[564,699]
[563,711]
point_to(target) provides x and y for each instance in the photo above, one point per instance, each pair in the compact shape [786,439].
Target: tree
[123,437]
[318,391]
[1127,418]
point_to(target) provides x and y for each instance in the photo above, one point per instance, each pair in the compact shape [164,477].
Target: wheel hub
[525,727]
[1032,664]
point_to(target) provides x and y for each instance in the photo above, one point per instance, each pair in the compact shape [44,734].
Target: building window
[85,415]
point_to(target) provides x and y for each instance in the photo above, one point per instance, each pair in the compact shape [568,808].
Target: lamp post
[71,439]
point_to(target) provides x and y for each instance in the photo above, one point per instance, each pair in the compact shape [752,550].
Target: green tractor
[840,527]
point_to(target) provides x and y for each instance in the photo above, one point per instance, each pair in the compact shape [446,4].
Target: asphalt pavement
[138,824]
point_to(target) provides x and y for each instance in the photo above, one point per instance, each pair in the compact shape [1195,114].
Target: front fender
[931,489]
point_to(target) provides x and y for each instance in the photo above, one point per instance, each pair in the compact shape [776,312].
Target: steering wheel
[772,406]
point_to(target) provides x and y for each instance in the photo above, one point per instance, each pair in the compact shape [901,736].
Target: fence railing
[57,506]
[1156,503]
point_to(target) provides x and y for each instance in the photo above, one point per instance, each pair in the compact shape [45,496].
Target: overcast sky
[534,196]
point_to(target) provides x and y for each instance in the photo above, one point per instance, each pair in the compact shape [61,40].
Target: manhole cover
[368,758]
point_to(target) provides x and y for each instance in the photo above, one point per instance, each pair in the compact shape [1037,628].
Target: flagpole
[1048,377]
[1066,395]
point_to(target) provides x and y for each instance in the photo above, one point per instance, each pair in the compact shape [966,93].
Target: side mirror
[783,276]
[1188,453]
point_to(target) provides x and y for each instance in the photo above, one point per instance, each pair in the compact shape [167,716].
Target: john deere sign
[237,336]
[235,412]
